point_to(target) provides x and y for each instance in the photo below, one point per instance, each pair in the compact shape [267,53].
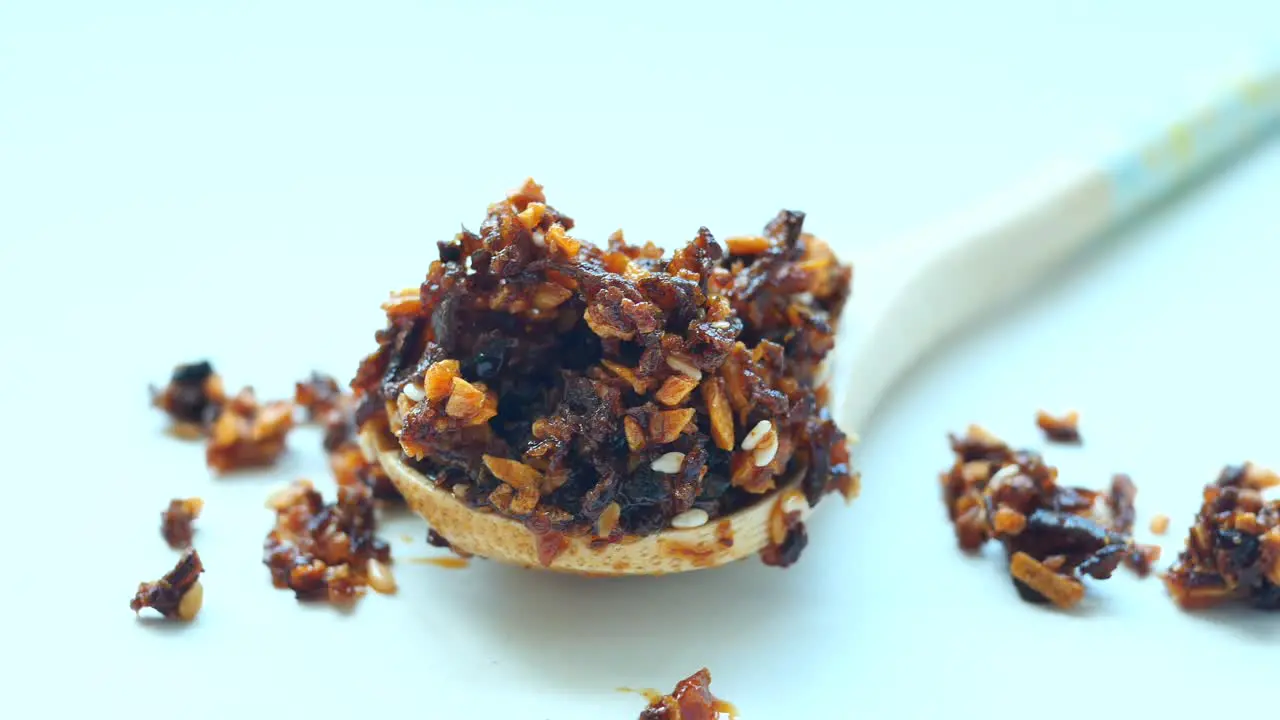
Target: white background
[180,180]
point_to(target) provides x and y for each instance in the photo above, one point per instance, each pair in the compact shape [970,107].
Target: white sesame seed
[764,452]
[692,518]
[757,434]
[681,365]
[720,324]
[415,393]
[540,239]
[668,463]
[1007,472]
[805,298]
[460,490]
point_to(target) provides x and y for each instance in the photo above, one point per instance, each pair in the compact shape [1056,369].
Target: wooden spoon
[907,298]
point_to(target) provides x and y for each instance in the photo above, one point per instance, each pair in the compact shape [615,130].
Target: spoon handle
[925,287]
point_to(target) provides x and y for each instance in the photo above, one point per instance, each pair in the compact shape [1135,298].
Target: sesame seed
[414,393]
[681,365]
[765,451]
[460,490]
[757,434]
[692,518]
[721,325]
[540,239]
[668,463]
[1005,473]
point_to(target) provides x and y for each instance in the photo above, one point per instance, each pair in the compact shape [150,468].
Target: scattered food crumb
[406,538]
[177,595]
[350,467]
[691,700]
[193,399]
[1060,428]
[326,404]
[1122,509]
[1122,503]
[318,395]
[1233,549]
[1160,524]
[247,434]
[994,492]
[326,551]
[787,534]
[175,523]
[1142,558]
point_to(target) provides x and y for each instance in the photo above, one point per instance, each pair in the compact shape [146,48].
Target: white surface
[181,182]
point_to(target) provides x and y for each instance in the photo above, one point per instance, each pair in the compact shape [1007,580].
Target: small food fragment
[350,467]
[1142,558]
[175,523]
[612,387]
[1048,530]
[334,409]
[1233,549]
[319,395]
[177,595]
[326,551]
[1062,590]
[691,700]
[1160,524]
[787,534]
[1121,507]
[1121,502]
[193,399]
[247,434]
[1060,428]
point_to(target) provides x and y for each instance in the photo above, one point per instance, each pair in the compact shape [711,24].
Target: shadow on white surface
[584,633]
[1240,623]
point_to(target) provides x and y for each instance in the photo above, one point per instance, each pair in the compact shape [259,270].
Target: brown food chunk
[550,377]
[1047,529]
[1233,549]
[319,395]
[193,399]
[326,551]
[787,534]
[1060,428]
[1142,558]
[178,594]
[248,434]
[175,523]
[691,700]
[350,467]
[345,457]
[1121,499]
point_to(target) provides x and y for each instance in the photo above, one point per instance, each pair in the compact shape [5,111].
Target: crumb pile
[608,390]
[1233,549]
[1049,531]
